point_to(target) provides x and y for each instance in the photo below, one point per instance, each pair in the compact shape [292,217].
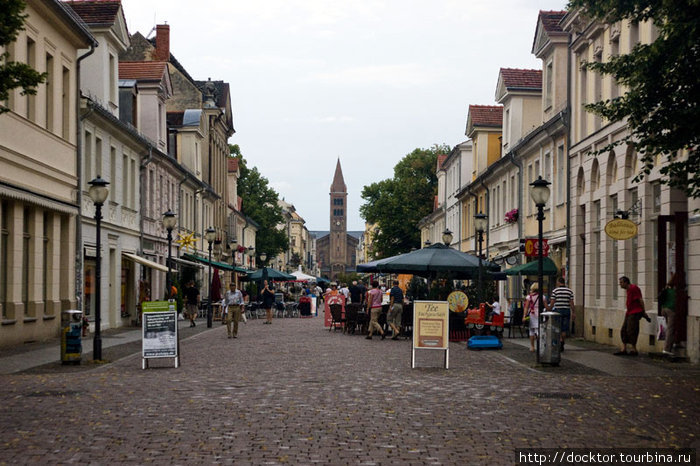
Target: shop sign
[532,247]
[621,229]
[160,331]
[431,328]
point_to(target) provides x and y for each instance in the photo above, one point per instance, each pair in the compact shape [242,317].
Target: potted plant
[511,216]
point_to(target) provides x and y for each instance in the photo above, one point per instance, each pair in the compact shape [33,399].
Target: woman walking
[268,299]
[532,311]
[374,308]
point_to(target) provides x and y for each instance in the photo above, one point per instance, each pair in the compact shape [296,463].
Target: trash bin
[71,343]
[550,336]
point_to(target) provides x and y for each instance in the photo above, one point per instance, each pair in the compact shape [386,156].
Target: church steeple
[338,185]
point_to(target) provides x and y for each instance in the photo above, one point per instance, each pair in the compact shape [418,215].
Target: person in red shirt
[635,311]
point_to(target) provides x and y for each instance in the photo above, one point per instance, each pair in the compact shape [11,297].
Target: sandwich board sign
[431,321]
[160,331]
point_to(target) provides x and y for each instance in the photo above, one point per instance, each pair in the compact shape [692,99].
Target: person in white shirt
[233,303]
[495,307]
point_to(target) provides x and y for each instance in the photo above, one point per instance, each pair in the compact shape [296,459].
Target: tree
[396,205]
[14,74]
[662,103]
[260,204]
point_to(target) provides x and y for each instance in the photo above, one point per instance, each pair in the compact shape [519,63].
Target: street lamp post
[480,225]
[169,222]
[210,236]
[98,192]
[263,257]
[539,192]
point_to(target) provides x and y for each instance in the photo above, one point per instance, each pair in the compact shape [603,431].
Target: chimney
[162,51]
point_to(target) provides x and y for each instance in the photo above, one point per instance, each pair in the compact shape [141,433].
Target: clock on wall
[337,222]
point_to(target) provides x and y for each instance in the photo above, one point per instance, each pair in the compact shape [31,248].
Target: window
[513,193]
[337,201]
[4,250]
[547,174]
[50,84]
[113,95]
[656,195]
[125,181]
[26,243]
[87,156]
[132,183]
[634,34]
[583,98]
[549,76]
[65,104]
[113,173]
[614,254]
[596,249]
[561,175]
[506,129]
[634,242]
[597,90]
[31,61]
[530,179]
[46,250]
[614,52]
[98,157]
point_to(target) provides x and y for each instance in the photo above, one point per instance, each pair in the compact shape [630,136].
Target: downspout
[79,172]
[142,194]
[567,123]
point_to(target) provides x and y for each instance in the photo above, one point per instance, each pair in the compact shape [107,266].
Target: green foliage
[260,204]
[417,288]
[347,278]
[14,74]
[397,204]
[295,260]
[662,105]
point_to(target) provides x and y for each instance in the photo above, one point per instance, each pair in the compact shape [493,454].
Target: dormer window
[548,89]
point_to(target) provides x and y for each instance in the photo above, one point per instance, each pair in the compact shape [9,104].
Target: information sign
[431,327]
[160,331]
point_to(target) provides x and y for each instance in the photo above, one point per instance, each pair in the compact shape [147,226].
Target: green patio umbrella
[430,261]
[271,274]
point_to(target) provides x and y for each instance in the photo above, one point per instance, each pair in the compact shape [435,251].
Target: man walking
[233,300]
[635,311]
[192,301]
[395,309]
[563,302]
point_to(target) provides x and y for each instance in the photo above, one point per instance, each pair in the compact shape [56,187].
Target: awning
[187,263]
[218,265]
[144,261]
[530,268]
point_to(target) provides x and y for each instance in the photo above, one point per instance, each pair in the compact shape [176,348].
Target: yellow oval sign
[621,229]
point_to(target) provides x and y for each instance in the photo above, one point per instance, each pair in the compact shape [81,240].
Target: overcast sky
[364,81]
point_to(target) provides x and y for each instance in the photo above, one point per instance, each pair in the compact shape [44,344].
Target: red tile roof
[440,160]
[550,21]
[486,115]
[514,78]
[142,70]
[96,12]
[232,164]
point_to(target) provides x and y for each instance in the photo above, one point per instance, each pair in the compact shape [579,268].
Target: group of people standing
[562,302]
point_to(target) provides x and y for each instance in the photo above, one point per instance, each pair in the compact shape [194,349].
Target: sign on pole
[160,332]
[532,247]
[431,328]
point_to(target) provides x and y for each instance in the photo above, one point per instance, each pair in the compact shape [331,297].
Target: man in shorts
[563,302]
[635,312]
[395,310]
[192,301]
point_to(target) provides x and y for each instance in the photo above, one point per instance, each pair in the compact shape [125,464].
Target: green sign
[155,306]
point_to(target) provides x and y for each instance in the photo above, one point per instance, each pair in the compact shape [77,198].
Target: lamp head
[169,220]
[251,251]
[481,221]
[98,190]
[447,237]
[210,235]
[232,243]
[539,191]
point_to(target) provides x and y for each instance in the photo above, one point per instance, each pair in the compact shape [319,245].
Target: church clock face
[337,223]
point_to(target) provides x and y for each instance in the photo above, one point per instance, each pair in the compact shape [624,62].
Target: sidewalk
[116,344]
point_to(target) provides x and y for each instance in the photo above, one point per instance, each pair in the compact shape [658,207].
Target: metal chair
[337,319]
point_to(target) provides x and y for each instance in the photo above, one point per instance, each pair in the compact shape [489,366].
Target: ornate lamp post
[263,258]
[169,222]
[98,192]
[210,236]
[539,192]
[447,237]
[480,224]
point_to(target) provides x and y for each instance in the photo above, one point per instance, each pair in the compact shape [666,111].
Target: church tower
[338,231]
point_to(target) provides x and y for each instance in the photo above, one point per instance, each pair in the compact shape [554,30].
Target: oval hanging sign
[621,229]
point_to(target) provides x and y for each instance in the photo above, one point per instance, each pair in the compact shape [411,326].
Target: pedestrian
[345,291]
[192,301]
[668,299]
[268,299]
[563,302]
[355,293]
[395,310]
[633,314]
[374,308]
[532,312]
[233,303]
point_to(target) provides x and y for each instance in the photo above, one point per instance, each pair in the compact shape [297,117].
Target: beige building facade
[39,179]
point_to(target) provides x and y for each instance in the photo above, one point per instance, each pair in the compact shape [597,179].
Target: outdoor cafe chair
[337,320]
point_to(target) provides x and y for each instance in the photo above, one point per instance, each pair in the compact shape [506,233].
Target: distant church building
[337,249]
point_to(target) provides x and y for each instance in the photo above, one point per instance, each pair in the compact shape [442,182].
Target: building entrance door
[672,235]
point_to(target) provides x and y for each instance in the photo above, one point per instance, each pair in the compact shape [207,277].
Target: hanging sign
[532,247]
[621,229]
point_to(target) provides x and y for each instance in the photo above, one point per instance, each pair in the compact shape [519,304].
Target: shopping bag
[661,328]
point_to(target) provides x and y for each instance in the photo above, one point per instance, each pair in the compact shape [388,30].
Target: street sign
[532,247]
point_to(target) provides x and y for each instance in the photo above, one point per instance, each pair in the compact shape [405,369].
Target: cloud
[399,75]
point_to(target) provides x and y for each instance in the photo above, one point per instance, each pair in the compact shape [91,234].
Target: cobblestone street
[294,393]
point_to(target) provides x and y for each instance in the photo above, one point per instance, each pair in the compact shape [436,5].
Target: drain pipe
[567,124]
[79,173]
